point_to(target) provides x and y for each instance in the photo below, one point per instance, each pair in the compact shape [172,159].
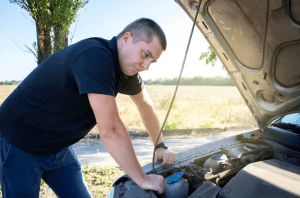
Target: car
[258,43]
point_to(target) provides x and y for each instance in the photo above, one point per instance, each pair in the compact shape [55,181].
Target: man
[64,97]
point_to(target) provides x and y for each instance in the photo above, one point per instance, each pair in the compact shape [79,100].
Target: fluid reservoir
[214,162]
[176,186]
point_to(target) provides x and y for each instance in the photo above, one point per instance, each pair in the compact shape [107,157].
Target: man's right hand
[117,141]
[154,182]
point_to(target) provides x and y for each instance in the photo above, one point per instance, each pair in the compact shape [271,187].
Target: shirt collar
[112,44]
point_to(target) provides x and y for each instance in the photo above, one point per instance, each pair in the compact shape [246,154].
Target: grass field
[194,107]
[5,90]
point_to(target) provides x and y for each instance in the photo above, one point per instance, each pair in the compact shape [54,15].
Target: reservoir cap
[175,177]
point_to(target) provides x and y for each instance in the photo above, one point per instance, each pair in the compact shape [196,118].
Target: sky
[106,19]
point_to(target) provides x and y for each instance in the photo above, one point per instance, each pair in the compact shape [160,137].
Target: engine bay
[253,168]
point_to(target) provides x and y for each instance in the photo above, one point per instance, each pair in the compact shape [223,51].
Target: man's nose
[146,64]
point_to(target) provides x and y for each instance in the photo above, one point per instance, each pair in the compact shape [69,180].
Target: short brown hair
[143,30]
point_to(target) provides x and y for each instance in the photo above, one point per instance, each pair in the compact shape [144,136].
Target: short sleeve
[133,85]
[94,72]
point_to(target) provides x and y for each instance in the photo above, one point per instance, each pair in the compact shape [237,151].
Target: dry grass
[194,107]
[5,90]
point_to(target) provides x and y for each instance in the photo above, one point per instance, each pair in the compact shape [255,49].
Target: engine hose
[221,175]
[255,151]
[179,78]
[224,173]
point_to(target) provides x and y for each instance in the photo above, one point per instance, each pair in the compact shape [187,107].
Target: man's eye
[146,55]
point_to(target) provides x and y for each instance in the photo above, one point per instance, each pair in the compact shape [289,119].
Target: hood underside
[258,42]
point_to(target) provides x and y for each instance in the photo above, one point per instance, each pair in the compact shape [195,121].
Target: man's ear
[125,37]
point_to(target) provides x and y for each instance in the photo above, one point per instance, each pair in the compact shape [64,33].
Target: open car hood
[258,42]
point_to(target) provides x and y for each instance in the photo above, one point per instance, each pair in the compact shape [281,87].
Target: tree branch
[71,38]
[28,18]
[29,50]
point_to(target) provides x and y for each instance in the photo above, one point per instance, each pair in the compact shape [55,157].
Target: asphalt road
[93,152]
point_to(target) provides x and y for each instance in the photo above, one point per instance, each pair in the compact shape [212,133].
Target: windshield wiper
[288,126]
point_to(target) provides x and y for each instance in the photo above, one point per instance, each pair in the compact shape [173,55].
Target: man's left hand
[167,156]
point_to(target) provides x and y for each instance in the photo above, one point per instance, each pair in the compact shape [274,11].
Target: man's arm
[148,114]
[117,141]
[151,122]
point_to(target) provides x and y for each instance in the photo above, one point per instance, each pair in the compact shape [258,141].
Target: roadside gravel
[92,152]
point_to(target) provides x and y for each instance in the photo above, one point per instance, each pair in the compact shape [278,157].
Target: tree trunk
[44,41]
[60,38]
[66,40]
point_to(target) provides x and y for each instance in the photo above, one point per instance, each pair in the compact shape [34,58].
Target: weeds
[206,125]
[165,103]
[100,179]
[173,125]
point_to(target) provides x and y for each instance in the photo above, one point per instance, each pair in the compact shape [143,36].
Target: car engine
[254,168]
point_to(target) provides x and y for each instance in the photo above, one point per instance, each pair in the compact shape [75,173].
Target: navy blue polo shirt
[50,109]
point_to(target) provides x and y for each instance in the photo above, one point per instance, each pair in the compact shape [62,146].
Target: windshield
[289,122]
[290,119]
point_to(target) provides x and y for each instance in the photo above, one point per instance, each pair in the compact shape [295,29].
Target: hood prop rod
[179,78]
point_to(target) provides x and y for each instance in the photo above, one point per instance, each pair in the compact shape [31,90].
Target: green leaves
[64,12]
[209,56]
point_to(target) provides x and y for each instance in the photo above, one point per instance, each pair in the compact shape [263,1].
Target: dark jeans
[21,173]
